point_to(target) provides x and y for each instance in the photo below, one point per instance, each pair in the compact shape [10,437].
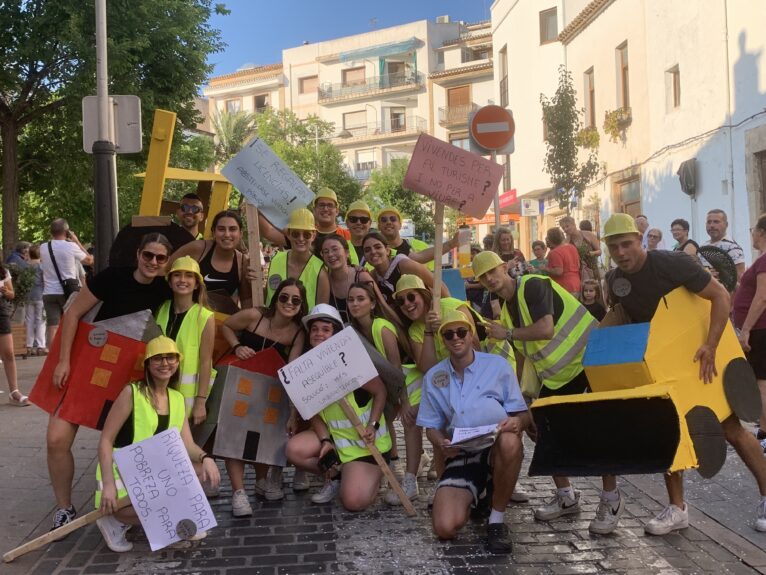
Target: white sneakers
[760,521]
[114,532]
[607,515]
[559,505]
[240,504]
[327,493]
[269,490]
[670,519]
[410,487]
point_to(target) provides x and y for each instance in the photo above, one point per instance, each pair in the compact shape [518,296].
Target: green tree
[566,145]
[157,50]
[385,188]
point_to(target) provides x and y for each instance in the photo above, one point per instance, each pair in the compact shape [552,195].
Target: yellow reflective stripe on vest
[559,336]
[349,444]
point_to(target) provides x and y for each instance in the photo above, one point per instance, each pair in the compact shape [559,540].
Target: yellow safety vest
[145,422]
[188,341]
[309,276]
[413,379]
[557,360]
[348,443]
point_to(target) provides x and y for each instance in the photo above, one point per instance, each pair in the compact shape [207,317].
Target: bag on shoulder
[69,285]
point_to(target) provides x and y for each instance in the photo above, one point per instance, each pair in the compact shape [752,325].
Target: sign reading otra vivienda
[267,183]
[164,489]
[455,177]
[327,373]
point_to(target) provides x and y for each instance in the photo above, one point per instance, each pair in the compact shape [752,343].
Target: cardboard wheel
[741,389]
[708,440]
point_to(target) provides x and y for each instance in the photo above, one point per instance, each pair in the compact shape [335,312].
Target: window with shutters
[308,85]
[353,76]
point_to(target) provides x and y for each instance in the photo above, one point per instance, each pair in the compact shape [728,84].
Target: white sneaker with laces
[670,519]
[240,504]
[607,516]
[268,490]
[410,487]
[558,505]
[113,532]
[327,493]
[760,521]
[301,481]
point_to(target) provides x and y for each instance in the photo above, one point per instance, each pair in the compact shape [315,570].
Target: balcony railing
[363,170]
[399,125]
[455,115]
[372,85]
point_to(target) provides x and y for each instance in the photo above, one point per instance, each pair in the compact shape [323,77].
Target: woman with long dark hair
[248,332]
[120,291]
[7,295]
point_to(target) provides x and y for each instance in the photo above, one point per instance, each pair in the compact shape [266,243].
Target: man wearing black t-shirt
[639,282]
[548,325]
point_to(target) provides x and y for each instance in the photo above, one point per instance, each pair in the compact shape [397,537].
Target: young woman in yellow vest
[224,268]
[387,269]
[143,409]
[248,332]
[368,318]
[299,262]
[330,431]
[187,321]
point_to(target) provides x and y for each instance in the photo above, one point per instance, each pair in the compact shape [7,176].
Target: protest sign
[164,489]
[266,181]
[452,176]
[327,373]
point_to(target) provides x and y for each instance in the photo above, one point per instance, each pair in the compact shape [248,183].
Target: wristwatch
[509,334]
[376,425]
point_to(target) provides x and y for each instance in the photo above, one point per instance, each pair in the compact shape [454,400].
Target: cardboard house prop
[649,411]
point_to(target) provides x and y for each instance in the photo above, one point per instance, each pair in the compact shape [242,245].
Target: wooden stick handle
[439,236]
[254,247]
[360,428]
[56,534]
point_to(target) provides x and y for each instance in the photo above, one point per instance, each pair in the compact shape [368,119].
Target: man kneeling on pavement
[472,389]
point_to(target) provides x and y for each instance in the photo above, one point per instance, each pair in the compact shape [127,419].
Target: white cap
[322,311]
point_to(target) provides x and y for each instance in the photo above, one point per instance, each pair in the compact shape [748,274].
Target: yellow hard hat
[327,194]
[161,345]
[452,317]
[301,219]
[620,224]
[407,282]
[484,262]
[186,264]
[359,206]
[390,210]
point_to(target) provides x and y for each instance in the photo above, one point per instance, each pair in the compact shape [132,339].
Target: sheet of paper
[465,433]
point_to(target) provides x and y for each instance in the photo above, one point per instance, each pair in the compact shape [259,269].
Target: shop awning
[380,50]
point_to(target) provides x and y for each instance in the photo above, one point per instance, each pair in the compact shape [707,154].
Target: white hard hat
[322,311]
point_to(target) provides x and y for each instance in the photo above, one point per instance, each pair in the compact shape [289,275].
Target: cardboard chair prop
[649,411]
[105,356]
[247,410]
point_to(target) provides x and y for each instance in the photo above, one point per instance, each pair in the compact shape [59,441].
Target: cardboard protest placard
[164,489]
[327,373]
[452,176]
[266,181]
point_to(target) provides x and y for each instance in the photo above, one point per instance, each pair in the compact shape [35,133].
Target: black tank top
[258,343]
[216,280]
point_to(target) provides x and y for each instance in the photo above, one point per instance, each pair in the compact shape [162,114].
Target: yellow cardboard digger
[649,411]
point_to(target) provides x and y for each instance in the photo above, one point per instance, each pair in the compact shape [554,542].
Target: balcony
[363,170]
[454,116]
[397,127]
[371,86]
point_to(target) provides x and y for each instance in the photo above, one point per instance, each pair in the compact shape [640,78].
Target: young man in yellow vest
[549,327]
[472,389]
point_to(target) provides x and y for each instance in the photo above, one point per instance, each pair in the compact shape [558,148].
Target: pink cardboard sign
[455,177]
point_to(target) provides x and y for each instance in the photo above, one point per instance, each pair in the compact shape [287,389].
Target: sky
[257,31]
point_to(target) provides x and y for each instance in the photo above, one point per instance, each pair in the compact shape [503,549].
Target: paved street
[295,536]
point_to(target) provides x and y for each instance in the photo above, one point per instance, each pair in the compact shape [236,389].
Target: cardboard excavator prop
[649,411]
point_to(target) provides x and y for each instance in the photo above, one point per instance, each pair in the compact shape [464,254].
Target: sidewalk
[295,536]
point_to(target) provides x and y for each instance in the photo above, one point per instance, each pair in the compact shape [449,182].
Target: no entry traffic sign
[492,127]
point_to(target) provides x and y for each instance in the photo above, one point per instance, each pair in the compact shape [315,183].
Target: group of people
[461,361]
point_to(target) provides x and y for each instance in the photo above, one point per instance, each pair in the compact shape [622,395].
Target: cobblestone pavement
[296,536]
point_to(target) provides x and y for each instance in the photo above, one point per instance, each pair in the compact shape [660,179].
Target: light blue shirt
[488,392]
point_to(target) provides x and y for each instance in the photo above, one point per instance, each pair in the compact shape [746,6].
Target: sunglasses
[160,359]
[410,297]
[295,300]
[358,220]
[449,334]
[324,206]
[148,256]
[296,234]
[387,219]
[189,209]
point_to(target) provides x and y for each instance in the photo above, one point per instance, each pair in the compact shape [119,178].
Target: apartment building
[666,84]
